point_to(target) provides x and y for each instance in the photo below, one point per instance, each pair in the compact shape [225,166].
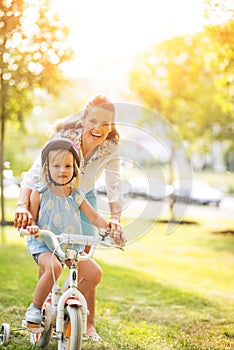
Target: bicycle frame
[68,295]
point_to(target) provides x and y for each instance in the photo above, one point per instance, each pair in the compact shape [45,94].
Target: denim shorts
[36,257]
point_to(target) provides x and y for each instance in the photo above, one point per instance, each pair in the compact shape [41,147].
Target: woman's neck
[87,148]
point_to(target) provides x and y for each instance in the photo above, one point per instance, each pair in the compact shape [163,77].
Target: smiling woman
[96,138]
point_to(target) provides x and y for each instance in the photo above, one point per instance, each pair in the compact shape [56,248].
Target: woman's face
[97,125]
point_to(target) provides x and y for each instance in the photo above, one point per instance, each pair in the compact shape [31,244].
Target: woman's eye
[93,121]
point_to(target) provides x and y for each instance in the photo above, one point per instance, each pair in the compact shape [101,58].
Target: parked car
[149,187]
[141,187]
[196,191]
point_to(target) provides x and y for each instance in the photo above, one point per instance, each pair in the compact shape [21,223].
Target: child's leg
[46,281]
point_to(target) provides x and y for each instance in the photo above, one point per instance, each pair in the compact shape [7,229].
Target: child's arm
[94,217]
[34,208]
[99,221]
[34,205]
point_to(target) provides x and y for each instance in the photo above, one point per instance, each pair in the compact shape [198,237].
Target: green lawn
[163,292]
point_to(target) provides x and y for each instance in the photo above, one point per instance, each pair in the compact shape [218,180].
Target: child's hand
[33,230]
[116,232]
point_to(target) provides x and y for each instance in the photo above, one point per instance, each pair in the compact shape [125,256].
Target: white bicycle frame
[71,296]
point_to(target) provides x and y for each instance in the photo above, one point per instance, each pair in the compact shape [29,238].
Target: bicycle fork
[72,296]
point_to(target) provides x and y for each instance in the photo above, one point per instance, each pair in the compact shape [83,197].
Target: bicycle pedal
[32,325]
[26,324]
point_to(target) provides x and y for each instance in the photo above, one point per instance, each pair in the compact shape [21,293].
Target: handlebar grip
[24,232]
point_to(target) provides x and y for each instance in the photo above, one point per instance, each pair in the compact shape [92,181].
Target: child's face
[61,167]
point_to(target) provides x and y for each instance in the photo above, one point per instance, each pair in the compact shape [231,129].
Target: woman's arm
[32,176]
[23,217]
[113,181]
[116,210]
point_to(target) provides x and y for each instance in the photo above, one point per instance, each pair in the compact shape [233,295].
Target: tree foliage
[32,48]
[189,80]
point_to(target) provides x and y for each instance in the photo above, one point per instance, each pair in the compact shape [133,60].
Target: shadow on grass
[140,297]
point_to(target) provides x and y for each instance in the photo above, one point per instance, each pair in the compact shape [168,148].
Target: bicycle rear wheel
[72,332]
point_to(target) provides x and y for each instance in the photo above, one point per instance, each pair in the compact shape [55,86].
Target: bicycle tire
[72,332]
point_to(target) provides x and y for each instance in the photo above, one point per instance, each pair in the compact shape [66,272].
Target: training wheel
[4,333]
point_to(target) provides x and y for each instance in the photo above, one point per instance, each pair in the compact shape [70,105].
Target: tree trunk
[2,153]
[2,112]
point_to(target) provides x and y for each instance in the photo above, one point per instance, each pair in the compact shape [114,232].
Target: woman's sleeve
[32,176]
[113,180]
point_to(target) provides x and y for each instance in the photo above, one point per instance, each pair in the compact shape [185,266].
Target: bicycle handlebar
[57,240]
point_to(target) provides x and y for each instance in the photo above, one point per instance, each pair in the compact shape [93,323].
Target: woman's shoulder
[71,134]
[108,147]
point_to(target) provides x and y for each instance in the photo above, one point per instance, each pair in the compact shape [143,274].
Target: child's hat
[60,143]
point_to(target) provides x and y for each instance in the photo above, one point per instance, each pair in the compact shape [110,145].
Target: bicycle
[64,312]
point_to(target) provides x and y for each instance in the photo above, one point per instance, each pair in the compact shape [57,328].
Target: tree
[32,48]
[183,79]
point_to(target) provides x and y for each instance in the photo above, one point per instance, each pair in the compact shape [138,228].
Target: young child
[56,206]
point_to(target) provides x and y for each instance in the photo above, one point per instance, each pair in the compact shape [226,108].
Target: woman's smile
[96,135]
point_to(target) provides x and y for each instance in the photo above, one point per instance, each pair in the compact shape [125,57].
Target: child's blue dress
[59,215]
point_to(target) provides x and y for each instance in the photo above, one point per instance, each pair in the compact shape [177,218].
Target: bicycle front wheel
[72,332]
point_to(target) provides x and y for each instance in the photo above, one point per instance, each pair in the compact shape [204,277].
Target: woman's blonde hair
[59,154]
[98,100]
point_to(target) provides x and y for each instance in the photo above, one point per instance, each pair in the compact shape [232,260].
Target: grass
[164,292]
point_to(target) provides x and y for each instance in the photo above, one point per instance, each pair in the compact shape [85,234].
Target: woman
[96,138]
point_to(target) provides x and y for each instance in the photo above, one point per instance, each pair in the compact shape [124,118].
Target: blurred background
[174,58]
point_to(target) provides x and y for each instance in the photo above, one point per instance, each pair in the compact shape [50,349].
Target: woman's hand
[23,217]
[116,232]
